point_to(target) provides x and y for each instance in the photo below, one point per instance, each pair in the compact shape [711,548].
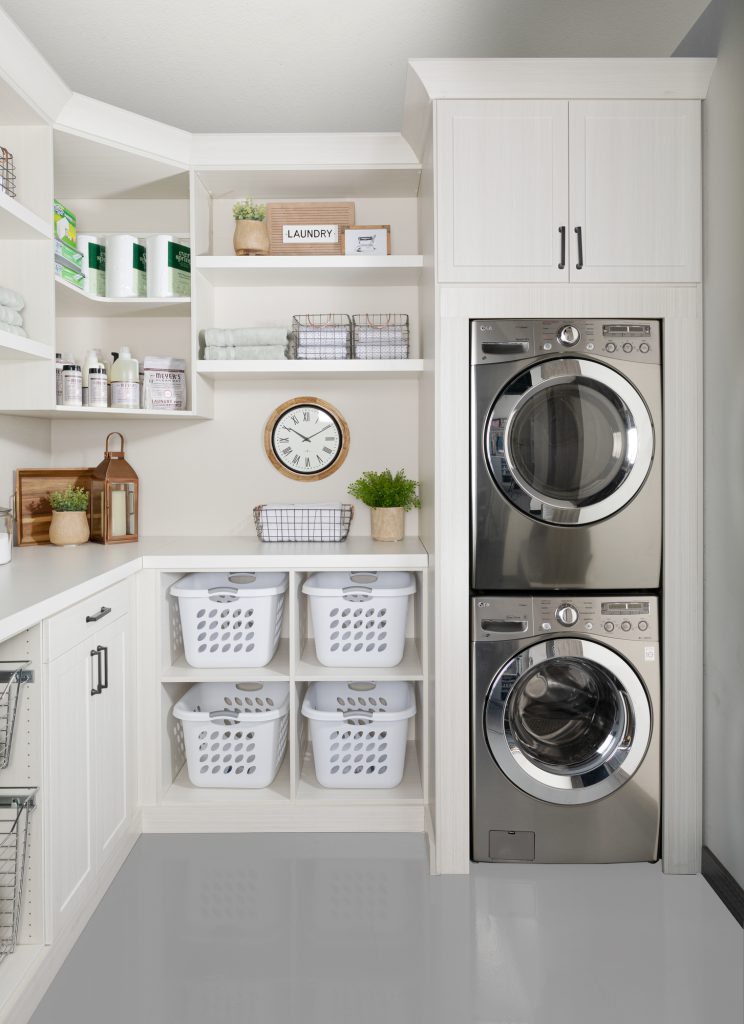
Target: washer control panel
[621,617]
[498,341]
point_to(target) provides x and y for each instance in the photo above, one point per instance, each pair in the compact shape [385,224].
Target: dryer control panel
[498,341]
[617,617]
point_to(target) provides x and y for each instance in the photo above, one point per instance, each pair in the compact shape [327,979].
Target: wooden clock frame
[331,410]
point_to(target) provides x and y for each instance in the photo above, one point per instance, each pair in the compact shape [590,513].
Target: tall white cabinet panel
[110,731]
[635,190]
[502,173]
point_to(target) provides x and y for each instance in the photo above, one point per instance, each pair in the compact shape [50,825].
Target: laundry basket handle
[234,716]
[215,593]
[359,715]
[357,593]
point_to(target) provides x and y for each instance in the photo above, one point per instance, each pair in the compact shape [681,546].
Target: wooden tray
[32,508]
[341,214]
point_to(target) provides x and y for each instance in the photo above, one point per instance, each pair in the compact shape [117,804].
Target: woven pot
[388,523]
[69,528]
[251,238]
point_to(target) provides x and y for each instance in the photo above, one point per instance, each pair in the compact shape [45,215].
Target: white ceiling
[315,65]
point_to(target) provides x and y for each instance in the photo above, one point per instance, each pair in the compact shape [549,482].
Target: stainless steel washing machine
[566,455]
[565,745]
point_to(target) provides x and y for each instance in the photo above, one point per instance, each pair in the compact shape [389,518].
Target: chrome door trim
[639,435]
[622,759]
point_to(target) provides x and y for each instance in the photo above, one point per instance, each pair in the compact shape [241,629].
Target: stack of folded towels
[11,304]
[245,343]
[388,342]
[322,342]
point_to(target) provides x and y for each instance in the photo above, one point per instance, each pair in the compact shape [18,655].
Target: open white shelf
[242,271]
[309,668]
[78,411]
[184,793]
[13,346]
[408,792]
[337,369]
[18,222]
[276,670]
[71,301]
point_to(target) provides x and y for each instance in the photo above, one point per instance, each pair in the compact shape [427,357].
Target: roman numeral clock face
[306,439]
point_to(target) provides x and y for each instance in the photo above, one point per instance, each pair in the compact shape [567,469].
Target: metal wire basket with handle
[16,806]
[13,674]
[323,523]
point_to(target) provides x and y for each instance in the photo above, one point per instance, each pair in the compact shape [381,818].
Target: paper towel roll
[125,267]
[93,248]
[168,266]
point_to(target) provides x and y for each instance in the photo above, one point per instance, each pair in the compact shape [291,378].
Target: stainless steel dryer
[566,455]
[566,706]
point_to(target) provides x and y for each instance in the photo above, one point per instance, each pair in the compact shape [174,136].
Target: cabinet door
[635,190]
[111,726]
[70,784]
[502,193]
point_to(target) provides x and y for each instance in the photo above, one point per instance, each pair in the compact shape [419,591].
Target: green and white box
[168,267]
[65,225]
[93,250]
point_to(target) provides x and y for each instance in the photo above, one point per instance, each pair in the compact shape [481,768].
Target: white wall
[25,442]
[723,117]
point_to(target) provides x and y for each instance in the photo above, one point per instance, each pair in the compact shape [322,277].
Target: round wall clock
[306,438]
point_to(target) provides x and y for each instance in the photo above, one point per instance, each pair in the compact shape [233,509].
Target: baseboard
[723,884]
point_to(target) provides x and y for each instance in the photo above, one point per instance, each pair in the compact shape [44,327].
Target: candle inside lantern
[118,513]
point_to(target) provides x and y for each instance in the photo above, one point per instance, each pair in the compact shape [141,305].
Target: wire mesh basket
[380,336]
[13,675]
[16,806]
[321,336]
[7,173]
[322,523]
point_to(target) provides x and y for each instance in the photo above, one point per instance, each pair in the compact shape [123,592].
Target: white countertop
[42,580]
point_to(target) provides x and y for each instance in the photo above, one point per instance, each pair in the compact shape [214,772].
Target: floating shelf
[408,792]
[242,271]
[14,347]
[276,670]
[338,369]
[18,222]
[81,412]
[71,301]
[409,669]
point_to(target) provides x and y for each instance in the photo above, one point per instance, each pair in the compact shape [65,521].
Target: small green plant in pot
[251,236]
[69,524]
[389,497]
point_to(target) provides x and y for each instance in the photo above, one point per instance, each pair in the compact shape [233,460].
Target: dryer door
[568,720]
[569,441]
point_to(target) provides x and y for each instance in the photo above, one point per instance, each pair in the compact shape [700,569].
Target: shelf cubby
[74,302]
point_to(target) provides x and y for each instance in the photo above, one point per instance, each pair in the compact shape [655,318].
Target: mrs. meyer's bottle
[125,386]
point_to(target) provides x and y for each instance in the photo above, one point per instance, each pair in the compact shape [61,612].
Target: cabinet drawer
[73,625]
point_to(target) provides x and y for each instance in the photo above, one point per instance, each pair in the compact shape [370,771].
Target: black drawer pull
[97,655]
[99,615]
[562,233]
[580,244]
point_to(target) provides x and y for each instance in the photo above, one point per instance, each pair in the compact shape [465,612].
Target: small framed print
[366,240]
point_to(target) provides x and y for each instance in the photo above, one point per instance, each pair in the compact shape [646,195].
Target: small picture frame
[366,240]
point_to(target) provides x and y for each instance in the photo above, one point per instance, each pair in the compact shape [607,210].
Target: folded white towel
[10,316]
[11,299]
[245,352]
[329,334]
[10,329]
[239,336]
[384,334]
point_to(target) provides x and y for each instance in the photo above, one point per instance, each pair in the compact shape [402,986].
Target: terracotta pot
[69,528]
[388,523]
[251,238]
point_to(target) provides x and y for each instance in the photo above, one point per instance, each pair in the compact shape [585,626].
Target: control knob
[567,615]
[569,335]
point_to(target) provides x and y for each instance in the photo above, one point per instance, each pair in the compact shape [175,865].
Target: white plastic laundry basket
[235,733]
[230,620]
[359,732]
[359,618]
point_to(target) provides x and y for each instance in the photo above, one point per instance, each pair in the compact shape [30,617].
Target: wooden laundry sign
[307,229]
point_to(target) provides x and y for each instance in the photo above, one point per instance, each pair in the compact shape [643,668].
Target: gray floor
[352,930]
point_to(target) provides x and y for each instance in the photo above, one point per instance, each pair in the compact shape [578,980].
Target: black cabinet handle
[104,650]
[562,233]
[580,243]
[97,689]
[99,615]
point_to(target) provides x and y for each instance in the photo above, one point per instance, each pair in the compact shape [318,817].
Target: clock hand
[299,434]
[326,427]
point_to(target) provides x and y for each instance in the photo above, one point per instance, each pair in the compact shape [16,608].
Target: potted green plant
[251,236]
[389,498]
[69,524]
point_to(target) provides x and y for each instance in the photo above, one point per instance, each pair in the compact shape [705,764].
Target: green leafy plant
[72,499]
[247,209]
[383,490]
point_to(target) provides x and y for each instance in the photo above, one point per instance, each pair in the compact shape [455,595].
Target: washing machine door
[568,720]
[569,441]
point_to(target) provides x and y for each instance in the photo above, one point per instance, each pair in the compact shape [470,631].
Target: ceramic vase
[251,238]
[69,528]
[388,523]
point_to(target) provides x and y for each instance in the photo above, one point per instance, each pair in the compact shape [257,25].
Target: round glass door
[569,441]
[568,720]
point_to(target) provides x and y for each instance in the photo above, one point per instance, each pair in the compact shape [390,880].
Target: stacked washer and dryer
[566,530]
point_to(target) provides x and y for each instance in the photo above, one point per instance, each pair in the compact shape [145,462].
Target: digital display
[638,329]
[626,608]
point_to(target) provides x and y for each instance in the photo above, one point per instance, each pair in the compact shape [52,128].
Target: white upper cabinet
[635,190]
[619,179]
[502,189]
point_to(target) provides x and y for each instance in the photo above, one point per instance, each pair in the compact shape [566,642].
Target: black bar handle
[99,615]
[104,650]
[580,242]
[96,689]
[562,233]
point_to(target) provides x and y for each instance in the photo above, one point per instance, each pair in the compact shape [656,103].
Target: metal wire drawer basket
[380,336]
[13,675]
[16,806]
[323,523]
[320,336]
